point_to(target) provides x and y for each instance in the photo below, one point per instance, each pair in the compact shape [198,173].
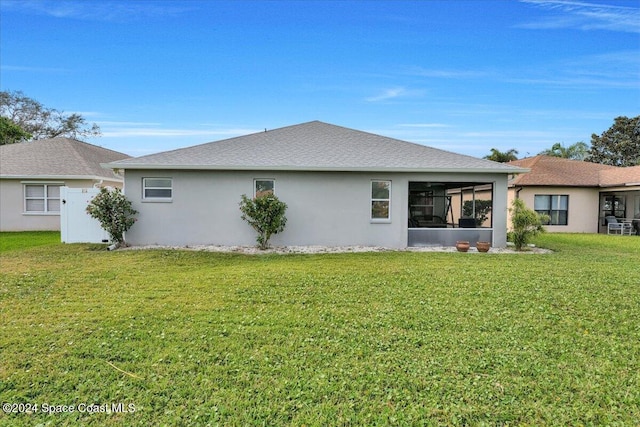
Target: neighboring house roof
[556,171]
[314,146]
[57,158]
[627,176]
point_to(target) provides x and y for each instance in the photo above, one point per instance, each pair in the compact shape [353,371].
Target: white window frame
[372,200]
[45,198]
[145,198]
[255,182]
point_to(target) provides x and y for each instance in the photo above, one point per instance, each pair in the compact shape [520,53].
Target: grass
[193,338]
[10,241]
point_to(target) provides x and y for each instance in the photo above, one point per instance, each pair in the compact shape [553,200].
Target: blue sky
[465,76]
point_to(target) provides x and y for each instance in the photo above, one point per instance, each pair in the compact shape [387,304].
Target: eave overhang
[144,166]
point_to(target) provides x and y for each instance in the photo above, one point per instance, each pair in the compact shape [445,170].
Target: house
[32,173]
[577,195]
[342,187]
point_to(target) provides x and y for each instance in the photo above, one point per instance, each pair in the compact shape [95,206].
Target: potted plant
[462,245]
[483,246]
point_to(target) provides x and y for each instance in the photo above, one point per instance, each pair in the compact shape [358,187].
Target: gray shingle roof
[314,146]
[57,158]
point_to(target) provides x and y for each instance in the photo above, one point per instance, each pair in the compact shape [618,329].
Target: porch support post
[473,197]
[499,211]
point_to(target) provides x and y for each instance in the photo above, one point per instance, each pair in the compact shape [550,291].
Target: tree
[525,223]
[502,157]
[265,214]
[11,133]
[482,210]
[42,122]
[577,151]
[114,212]
[619,145]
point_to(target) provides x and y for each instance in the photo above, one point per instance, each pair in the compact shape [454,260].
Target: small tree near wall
[114,212]
[265,214]
[525,223]
[483,208]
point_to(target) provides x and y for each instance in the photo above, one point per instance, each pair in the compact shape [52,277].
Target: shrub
[114,212]
[483,208]
[525,223]
[265,214]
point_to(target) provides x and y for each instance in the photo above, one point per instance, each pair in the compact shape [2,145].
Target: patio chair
[615,227]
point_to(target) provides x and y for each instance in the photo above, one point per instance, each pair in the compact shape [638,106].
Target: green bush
[482,210]
[525,223]
[114,212]
[265,214]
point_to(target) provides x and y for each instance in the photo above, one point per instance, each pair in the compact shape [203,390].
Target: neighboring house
[577,195]
[31,174]
[342,187]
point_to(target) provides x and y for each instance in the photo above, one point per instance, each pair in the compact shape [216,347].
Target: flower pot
[483,246]
[462,246]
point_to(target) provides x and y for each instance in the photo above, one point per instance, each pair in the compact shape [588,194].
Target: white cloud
[111,11]
[395,92]
[448,74]
[30,69]
[424,125]
[585,16]
[387,94]
[477,140]
[610,70]
[116,123]
[123,130]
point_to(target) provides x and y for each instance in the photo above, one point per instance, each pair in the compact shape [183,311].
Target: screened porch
[623,206]
[441,213]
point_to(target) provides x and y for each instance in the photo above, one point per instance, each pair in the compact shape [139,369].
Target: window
[614,206]
[557,207]
[42,198]
[160,189]
[262,187]
[380,201]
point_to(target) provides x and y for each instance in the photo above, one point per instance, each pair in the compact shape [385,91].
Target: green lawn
[193,338]
[27,239]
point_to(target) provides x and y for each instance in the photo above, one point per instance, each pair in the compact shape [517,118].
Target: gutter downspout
[518,190]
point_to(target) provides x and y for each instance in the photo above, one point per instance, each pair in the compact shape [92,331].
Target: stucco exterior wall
[12,213]
[582,210]
[324,208]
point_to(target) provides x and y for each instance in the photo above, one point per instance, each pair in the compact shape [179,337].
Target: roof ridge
[75,149]
[539,157]
[60,156]
[398,140]
[536,159]
[314,145]
[78,141]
